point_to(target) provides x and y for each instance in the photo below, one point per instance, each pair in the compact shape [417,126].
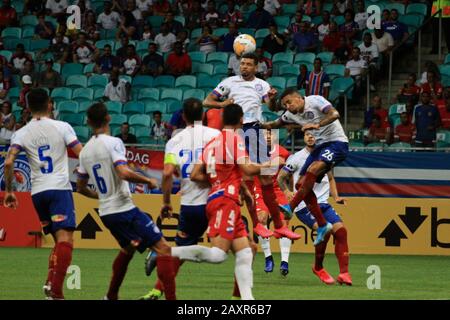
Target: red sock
[320,253]
[314,208]
[63,258]
[166,273]
[236,292]
[304,186]
[341,249]
[252,209]
[120,266]
[51,266]
[271,202]
[176,265]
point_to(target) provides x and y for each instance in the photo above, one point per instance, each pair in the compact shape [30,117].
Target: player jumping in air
[322,190]
[317,114]
[250,92]
[104,160]
[45,142]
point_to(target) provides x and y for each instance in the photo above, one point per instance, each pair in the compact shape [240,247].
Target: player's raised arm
[271,99]
[10,199]
[276,124]
[213,100]
[334,191]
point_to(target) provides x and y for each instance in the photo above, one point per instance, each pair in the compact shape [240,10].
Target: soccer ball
[244,43]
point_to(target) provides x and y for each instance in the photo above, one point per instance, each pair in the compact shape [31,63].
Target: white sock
[198,253]
[244,273]
[285,248]
[265,245]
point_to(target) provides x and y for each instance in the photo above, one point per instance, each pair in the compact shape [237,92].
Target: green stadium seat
[164,82]
[83,106]
[60,93]
[76,81]
[127,78]
[446,61]
[196,33]
[83,94]
[139,120]
[98,94]
[326,57]
[56,67]
[399,147]
[304,57]
[400,7]
[150,107]
[283,58]
[82,133]
[445,70]
[173,106]
[37,45]
[18,6]
[181,20]
[108,34]
[335,70]
[155,21]
[142,82]
[100,44]
[221,69]
[249,31]
[356,146]
[270,116]
[29,20]
[186,82]
[375,147]
[282,22]
[11,43]
[172,94]
[7,54]
[97,81]
[12,33]
[289,8]
[291,82]
[28,32]
[194,93]
[341,86]
[73,119]
[118,119]
[198,56]
[142,132]
[134,107]
[114,107]
[339,20]
[411,20]
[148,94]
[89,68]
[67,106]
[220,32]
[288,70]
[206,68]
[71,68]
[278,83]
[417,8]
[217,58]
[262,33]
[317,20]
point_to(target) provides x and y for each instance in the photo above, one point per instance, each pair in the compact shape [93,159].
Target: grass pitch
[23,271]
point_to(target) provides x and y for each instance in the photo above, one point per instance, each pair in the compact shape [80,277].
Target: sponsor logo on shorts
[59,217]
[230,229]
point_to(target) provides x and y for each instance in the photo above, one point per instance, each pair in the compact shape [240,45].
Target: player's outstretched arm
[271,99]
[10,199]
[276,124]
[332,115]
[83,188]
[212,101]
[334,191]
[125,173]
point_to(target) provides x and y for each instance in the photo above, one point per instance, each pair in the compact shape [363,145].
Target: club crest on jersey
[22,176]
[308,115]
[231,189]
[259,87]
[230,229]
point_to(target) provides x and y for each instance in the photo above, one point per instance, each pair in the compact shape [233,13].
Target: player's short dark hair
[289,91]
[37,100]
[251,56]
[157,112]
[192,110]
[232,115]
[97,115]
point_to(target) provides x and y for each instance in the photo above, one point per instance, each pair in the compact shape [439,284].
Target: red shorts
[261,206]
[224,219]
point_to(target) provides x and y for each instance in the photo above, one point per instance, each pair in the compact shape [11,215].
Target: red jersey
[213,118]
[221,156]
[380,132]
[7,16]
[411,91]
[445,117]
[436,89]
[405,133]
[383,114]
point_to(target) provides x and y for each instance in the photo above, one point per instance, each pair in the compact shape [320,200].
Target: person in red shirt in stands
[433,86]
[405,131]
[8,15]
[178,62]
[409,89]
[379,131]
[27,82]
[444,111]
[333,39]
[160,7]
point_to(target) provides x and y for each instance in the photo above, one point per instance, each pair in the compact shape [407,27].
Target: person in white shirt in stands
[108,19]
[369,53]
[83,51]
[357,69]
[272,6]
[165,39]
[361,16]
[159,129]
[384,42]
[45,142]
[234,65]
[56,8]
[117,89]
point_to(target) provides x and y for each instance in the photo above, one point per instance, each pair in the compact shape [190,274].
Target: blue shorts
[55,209]
[133,227]
[193,222]
[255,143]
[332,153]
[328,212]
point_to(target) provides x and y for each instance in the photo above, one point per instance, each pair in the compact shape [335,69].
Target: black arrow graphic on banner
[392,235]
[88,227]
[412,218]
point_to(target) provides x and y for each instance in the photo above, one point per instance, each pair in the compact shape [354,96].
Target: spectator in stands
[90,27]
[44,29]
[273,7]
[384,42]
[317,81]
[117,89]
[108,19]
[48,78]
[305,40]
[264,70]
[33,7]
[294,26]
[232,15]
[332,41]
[177,121]
[27,83]
[444,111]
[153,63]
[433,87]
[145,7]
[369,52]
[302,78]
[125,135]
[274,42]
[132,63]
[357,69]
[56,8]
[178,62]
[59,49]
[160,7]
[227,39]
[121,53]
[131,8]
[4,87]
[18,59]
[130,20]
[260,18]
[28,69]
[7,119]
[211,17]
[410,89]
[207,42]
[323,29]
[165,39]
[339,6]
[25,117]
[385,18]
[234,65]
[427,120]
[83,52]
[159,129]
[349,28]
[405,131]
[312,8]
[361,16]
[8,15]
[173,25]
[379,131]
[182,37]
[107,62]
[147,34]
[375,108]
[398,30]
[430,66]
[194,18]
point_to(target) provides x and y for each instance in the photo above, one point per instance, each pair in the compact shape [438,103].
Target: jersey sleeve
[69,135]
[82,173]
[17,140]
[291,165]
[222,89]
[118,152]
[321,104]
[265,90]
[170,154]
